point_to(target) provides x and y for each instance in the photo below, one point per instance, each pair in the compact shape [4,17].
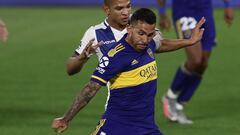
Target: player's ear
[129,28]
[106,9]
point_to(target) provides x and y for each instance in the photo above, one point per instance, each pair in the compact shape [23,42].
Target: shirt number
[187,23]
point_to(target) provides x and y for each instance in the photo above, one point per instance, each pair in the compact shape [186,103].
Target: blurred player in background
[130,67]
[3,31]
[185,14]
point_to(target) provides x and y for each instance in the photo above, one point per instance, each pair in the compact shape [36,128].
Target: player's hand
[91,48]
[197,32]
[59,125]
[164,22]
[228,16]
[3,31]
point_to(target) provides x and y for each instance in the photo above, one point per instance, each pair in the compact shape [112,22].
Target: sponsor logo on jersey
[149,71]
[104,61]
[109,42]
[134,62]
[100,70]
[136,76]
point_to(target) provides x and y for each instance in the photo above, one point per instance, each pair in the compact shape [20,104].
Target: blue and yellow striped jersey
[133,83]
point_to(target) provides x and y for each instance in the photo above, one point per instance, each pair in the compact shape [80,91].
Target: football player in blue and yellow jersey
[131,69]
[185,14]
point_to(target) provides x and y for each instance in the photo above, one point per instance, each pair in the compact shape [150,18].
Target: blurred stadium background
[34,86]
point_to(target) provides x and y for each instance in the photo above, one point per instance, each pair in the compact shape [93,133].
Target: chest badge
[150,53]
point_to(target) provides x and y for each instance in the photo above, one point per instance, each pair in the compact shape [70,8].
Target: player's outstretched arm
[76,62]
[88,92]
[174,44]
[3,31]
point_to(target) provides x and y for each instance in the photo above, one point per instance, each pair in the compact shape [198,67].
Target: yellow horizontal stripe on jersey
[135,77]
[100,79]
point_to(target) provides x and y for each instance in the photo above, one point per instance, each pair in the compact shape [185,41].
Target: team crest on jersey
[104,61]
[150,53]
[115,50]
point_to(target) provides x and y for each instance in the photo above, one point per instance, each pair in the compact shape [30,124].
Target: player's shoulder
[121,54]
[116,50]
[91,31]
[102,25]
[114,57]
[158,37]
[93,28]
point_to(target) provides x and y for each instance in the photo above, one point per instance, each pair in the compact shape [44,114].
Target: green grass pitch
[34,86]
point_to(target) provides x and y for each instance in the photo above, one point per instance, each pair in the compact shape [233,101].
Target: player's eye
[119,8]
[129,6]
[141,33]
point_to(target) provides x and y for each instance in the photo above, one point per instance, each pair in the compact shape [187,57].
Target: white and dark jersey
[101,32]
[109,35]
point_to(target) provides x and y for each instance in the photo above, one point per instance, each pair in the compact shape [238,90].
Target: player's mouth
[141,46]
[125,19]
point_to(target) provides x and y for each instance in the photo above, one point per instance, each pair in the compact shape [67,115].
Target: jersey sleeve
[88,35]
[107,69]
[157,39]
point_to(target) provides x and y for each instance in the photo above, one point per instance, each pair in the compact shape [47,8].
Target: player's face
[118,12]
[140,34]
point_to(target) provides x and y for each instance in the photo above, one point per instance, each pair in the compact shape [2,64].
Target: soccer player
[131,69]
[185,15]
[3,31]
[99,38]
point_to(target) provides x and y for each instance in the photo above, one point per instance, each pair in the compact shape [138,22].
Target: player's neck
[115,25]
[129,41]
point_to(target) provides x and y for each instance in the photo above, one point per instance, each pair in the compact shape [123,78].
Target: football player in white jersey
[104,34]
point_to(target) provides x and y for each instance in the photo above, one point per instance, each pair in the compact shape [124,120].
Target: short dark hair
[143,14]
[107,2]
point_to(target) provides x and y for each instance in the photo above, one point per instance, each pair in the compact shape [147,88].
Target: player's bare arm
[76,62]
[164,21]
[88,92]
[174,44]
[228,13]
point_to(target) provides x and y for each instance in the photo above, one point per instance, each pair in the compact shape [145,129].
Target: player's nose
[126,12]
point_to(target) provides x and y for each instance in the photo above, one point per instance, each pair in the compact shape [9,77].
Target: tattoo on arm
[88,92]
